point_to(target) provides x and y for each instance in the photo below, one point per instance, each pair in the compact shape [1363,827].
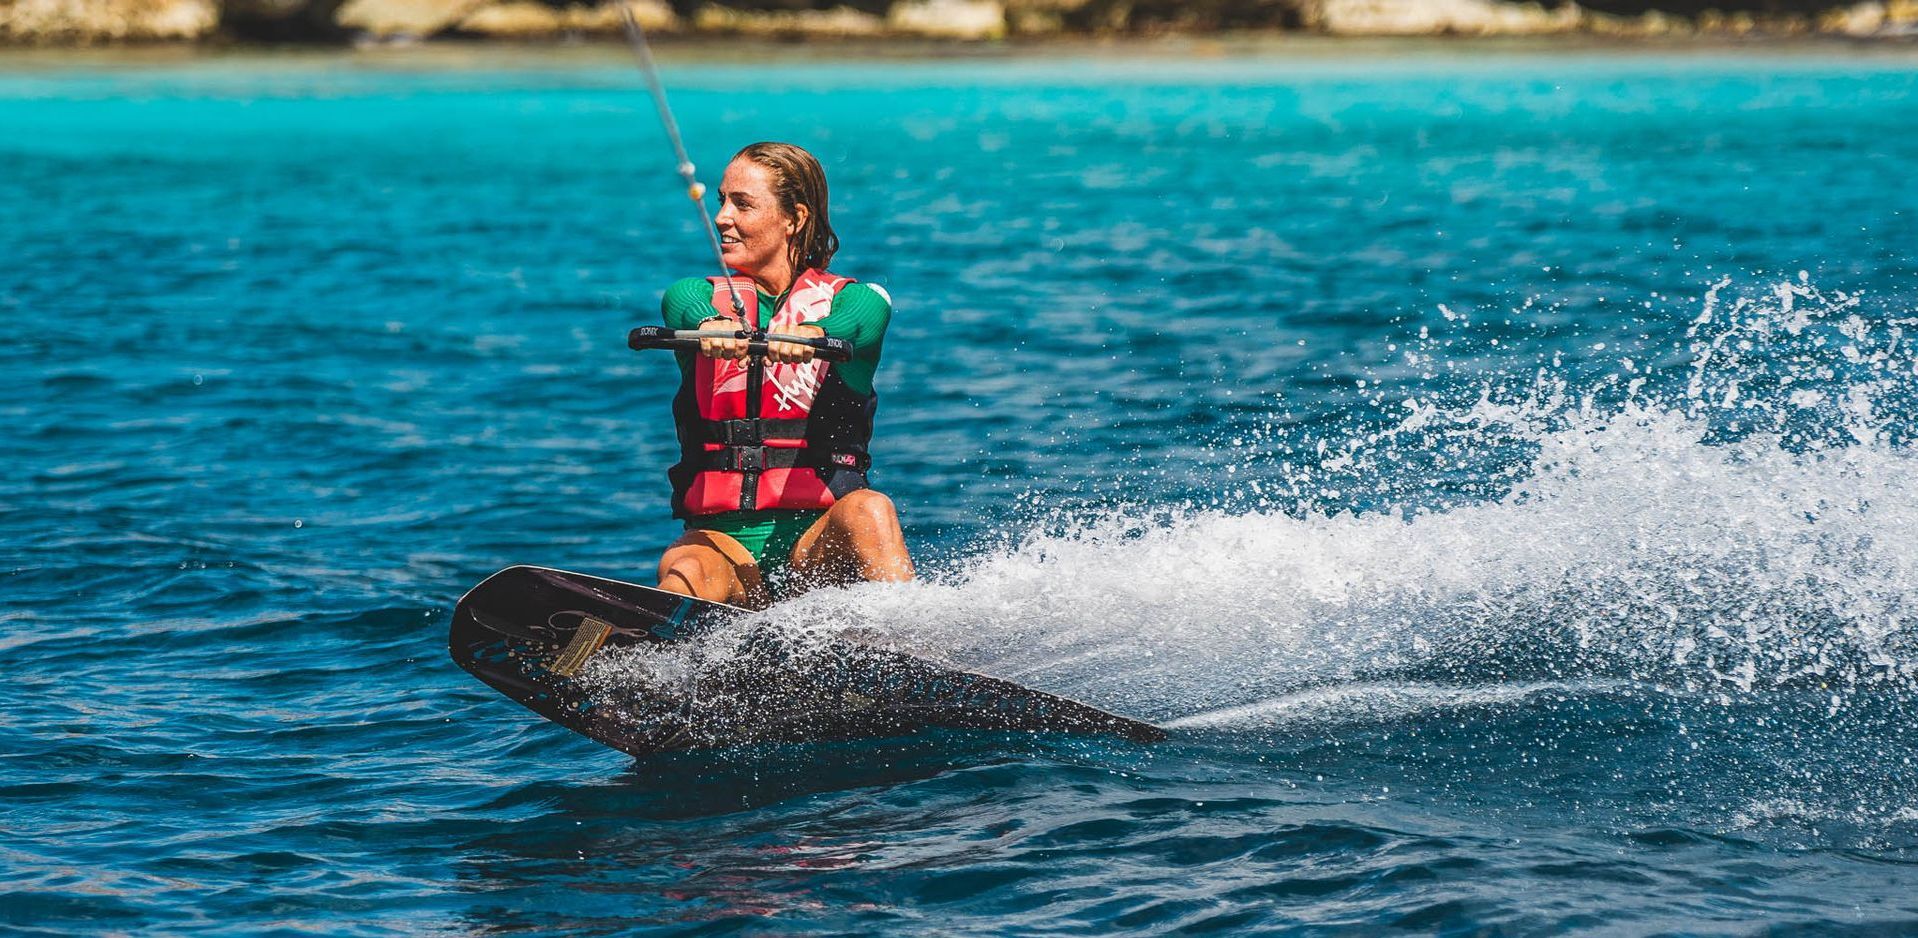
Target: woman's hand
[792,352]
[721,344]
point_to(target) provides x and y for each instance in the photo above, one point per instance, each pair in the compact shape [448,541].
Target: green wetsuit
[860,314]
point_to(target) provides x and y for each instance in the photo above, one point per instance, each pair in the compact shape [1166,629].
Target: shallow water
[1497,471]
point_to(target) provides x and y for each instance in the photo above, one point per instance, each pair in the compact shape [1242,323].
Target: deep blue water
[1495,468]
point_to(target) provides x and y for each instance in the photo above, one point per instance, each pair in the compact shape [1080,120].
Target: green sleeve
[860,314]
[686,303]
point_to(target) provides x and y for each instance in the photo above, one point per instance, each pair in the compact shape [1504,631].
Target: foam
[1376,702]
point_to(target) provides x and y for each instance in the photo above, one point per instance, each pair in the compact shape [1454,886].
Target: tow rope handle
[687,340]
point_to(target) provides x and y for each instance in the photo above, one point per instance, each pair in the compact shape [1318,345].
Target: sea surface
[1493,464]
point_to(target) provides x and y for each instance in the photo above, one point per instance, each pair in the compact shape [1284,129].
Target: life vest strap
[750,431]
[756,458]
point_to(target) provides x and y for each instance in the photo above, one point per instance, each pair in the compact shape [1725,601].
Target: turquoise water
[1495,469]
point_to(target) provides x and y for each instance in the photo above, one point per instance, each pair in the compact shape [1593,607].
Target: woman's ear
[801,213]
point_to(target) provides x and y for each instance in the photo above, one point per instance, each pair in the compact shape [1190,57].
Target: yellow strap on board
[592,632]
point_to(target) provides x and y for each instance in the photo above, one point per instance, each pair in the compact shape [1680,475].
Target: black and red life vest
[755,435]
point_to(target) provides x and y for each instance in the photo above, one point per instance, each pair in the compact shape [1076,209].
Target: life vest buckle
[744,432]
[752,431]
[747,458]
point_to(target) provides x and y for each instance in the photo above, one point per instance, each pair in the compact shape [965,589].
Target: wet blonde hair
[798,179]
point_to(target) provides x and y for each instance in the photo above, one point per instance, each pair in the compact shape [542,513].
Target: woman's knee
[867,506]
[680,567]
[712,566]
[696,567]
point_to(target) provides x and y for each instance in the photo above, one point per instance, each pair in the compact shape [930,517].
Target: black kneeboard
[530,632]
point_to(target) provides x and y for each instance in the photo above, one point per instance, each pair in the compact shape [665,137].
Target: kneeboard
[530,633]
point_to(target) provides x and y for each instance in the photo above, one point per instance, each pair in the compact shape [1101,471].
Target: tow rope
[695,191]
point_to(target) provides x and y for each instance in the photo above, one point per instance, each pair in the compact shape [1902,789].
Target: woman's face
[754,231]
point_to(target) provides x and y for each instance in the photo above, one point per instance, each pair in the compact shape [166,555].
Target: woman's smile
[755,230]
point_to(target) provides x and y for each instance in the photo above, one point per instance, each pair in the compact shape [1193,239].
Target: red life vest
[756,435]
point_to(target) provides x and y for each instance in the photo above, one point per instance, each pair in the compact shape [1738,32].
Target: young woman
[772,474]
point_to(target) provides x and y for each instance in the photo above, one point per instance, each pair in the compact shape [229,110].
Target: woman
[772,474]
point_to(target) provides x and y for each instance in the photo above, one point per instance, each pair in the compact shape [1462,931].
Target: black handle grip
[687,340]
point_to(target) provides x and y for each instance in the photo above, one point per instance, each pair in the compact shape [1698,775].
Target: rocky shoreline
[94,22]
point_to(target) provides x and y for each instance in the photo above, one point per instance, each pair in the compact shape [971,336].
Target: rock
[1042,17]
[653,16]
[838,22]
[1658,23]
[81,22]
[519,19]
[387,18]
[514,19]
[524,19]
[1650,24]
[1034,23]
[949,19]
[1863,19]
[1731,24]
[1429,17]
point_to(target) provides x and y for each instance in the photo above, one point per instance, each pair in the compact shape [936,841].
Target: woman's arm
[688,304]
[859,315]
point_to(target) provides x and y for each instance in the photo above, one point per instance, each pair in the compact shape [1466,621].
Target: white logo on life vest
[795,386]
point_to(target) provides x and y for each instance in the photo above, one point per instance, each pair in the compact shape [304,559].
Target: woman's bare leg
[711,565]
[858,538]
